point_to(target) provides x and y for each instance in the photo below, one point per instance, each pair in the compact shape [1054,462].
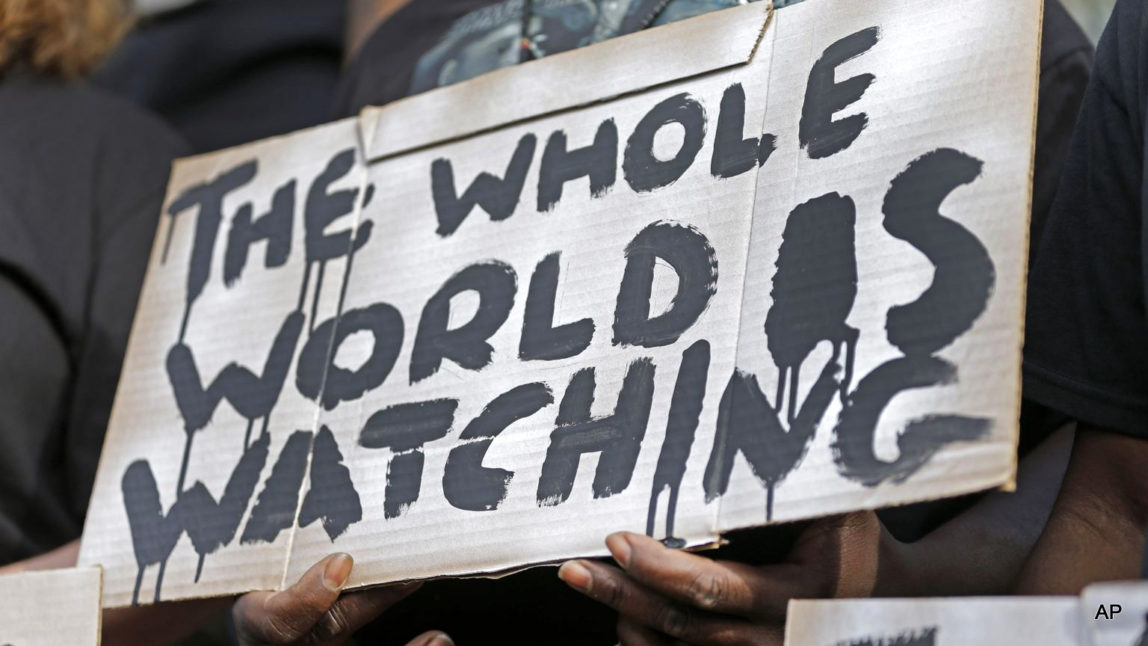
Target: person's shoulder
[83,118]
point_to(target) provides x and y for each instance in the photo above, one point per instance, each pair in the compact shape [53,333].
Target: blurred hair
[59,38]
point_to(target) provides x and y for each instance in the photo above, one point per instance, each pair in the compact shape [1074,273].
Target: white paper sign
[752,267]
[50,608]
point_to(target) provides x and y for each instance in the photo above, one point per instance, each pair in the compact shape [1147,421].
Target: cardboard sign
[50,608]
[751,267]
[1106,614]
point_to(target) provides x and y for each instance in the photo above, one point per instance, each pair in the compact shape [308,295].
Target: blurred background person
[226,72]
[82,180]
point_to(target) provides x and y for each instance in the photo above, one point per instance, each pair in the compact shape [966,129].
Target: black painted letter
[253,396]
[498,197]
[465,482]
[918,441]
[747,423]
[732,154]
[495,284]
[274,227]
[540,339]
[689,253]
[323,208]
[964,275]
[598,161]
[685,410]
[643,170]
[209,198]
[819,134]
[404,429]
[618,437]
[317,359]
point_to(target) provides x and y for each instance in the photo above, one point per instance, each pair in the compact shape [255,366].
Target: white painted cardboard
[358,246]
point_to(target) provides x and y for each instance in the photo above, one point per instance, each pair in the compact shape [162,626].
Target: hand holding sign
[312,612]
[662,592]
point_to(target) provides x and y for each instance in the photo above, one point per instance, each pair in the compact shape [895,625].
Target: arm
[981,551]
[1096,532]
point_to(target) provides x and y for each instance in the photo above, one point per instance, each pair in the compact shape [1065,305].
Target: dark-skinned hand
[314,612]
[665,596]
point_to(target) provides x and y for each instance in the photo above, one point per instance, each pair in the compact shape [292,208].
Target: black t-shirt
[1086,351]
[534,606]
[225,72]
[82,177]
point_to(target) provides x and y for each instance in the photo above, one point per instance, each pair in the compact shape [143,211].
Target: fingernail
[575,574]
[337,572]
[441,639]
[619,548]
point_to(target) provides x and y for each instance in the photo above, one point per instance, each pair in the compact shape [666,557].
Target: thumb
[288,615]
[432,638]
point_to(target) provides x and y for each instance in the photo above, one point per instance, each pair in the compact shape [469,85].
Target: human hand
[663,595]
[314,613]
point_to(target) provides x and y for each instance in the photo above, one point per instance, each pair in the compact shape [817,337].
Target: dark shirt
[425,45]
[1086,352]
[225,72]
[82,177]
[534,606]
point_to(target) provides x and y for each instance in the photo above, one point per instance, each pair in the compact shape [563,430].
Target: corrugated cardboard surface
[959,78]
[50,608]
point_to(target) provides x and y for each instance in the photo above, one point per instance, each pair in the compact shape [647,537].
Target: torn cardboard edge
[703,44]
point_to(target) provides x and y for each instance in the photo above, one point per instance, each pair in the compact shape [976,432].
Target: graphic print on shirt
[492,37]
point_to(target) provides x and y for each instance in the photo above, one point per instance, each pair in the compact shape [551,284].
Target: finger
[719,586]
[614,588]
[631,633]
[432,638]
[286,616]
[293,615]
[354,610]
